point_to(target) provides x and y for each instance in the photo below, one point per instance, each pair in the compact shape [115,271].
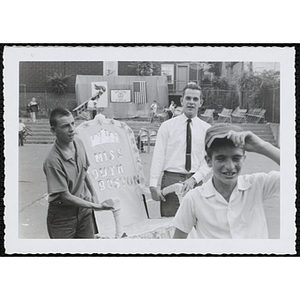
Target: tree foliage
[146,68]
[221,83]
[257,85]
[57,83]
[220,94]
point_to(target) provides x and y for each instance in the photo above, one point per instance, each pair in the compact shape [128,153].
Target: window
[168,70]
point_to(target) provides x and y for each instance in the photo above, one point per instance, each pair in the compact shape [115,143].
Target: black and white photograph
[149,150]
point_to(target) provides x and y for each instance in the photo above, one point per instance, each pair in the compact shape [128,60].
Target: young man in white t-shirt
[230,205]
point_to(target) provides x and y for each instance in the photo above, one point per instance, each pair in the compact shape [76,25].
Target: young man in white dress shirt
[169,157]
[230,205]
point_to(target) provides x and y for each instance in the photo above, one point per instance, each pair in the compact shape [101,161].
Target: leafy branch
[57,83]
[257,84]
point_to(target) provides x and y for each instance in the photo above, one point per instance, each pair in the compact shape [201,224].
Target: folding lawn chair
[256,115]
[208,116]
[225,115]
[153,134]
[239,115]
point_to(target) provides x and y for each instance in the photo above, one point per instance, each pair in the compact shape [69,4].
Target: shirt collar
[184,118]
[209,189]
[66,155]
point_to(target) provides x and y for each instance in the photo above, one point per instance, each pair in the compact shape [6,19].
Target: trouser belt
[180,174]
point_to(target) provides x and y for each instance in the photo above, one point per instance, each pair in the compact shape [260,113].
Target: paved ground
[32,188]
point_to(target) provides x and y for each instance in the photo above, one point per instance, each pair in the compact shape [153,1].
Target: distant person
[179,152]
[230,205]
[153,111]
[140,143]
[177,111]
[21,132]
[72,197]
[92,108]
[33,108]
[169,111]
[172,107]
[100,90]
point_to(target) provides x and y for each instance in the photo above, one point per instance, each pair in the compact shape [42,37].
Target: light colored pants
[32,116]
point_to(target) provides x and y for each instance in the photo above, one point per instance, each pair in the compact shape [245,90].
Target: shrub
[257,85]
[57,83]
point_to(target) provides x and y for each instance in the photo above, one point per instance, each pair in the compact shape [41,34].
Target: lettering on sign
[103,136]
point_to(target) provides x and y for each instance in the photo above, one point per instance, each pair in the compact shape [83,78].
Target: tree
[57,83]
[257,85]
[207,71]
[146,68]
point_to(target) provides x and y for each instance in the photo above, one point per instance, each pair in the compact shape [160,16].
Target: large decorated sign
[115,169]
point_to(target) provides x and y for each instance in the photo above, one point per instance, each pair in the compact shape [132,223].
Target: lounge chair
[208,116]
[239,115]
[256,115]
[225,115]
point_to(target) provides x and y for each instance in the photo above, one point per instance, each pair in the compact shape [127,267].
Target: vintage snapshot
[149,150]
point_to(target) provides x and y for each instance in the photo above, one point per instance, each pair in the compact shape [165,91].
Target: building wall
[156,89]
[261,66]
[33,75]
[230,69]
[46,102]
[124,68]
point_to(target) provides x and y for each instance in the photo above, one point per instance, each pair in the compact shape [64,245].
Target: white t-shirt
[92,104]
[243,217]
[154,107]
[21,126]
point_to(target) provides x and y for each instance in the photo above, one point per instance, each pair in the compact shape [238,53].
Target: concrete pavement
[32,189]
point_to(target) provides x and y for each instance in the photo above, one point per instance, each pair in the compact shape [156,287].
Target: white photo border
[285,55]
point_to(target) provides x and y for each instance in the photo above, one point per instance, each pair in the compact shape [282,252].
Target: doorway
[182,71]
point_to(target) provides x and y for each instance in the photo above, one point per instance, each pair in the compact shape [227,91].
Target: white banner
[120,96]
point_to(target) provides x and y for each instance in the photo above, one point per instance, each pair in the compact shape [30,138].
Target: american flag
[139,91]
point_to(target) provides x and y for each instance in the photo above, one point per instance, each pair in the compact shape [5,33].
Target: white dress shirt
[243,217]
[170,148]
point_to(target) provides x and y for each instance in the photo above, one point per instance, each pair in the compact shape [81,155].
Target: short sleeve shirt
[243,217]
[65,173]
[21,126]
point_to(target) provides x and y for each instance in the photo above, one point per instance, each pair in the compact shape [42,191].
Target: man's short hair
[58,113]
[219,144]
[216,137]
[191,86]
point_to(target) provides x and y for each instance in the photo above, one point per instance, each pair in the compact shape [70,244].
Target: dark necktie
[188,146]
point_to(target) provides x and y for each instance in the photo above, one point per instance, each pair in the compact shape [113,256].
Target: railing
[80,108]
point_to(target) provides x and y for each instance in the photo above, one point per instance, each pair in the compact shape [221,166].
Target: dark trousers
[21,138]
[140,144]
[171,205]
[70,222]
